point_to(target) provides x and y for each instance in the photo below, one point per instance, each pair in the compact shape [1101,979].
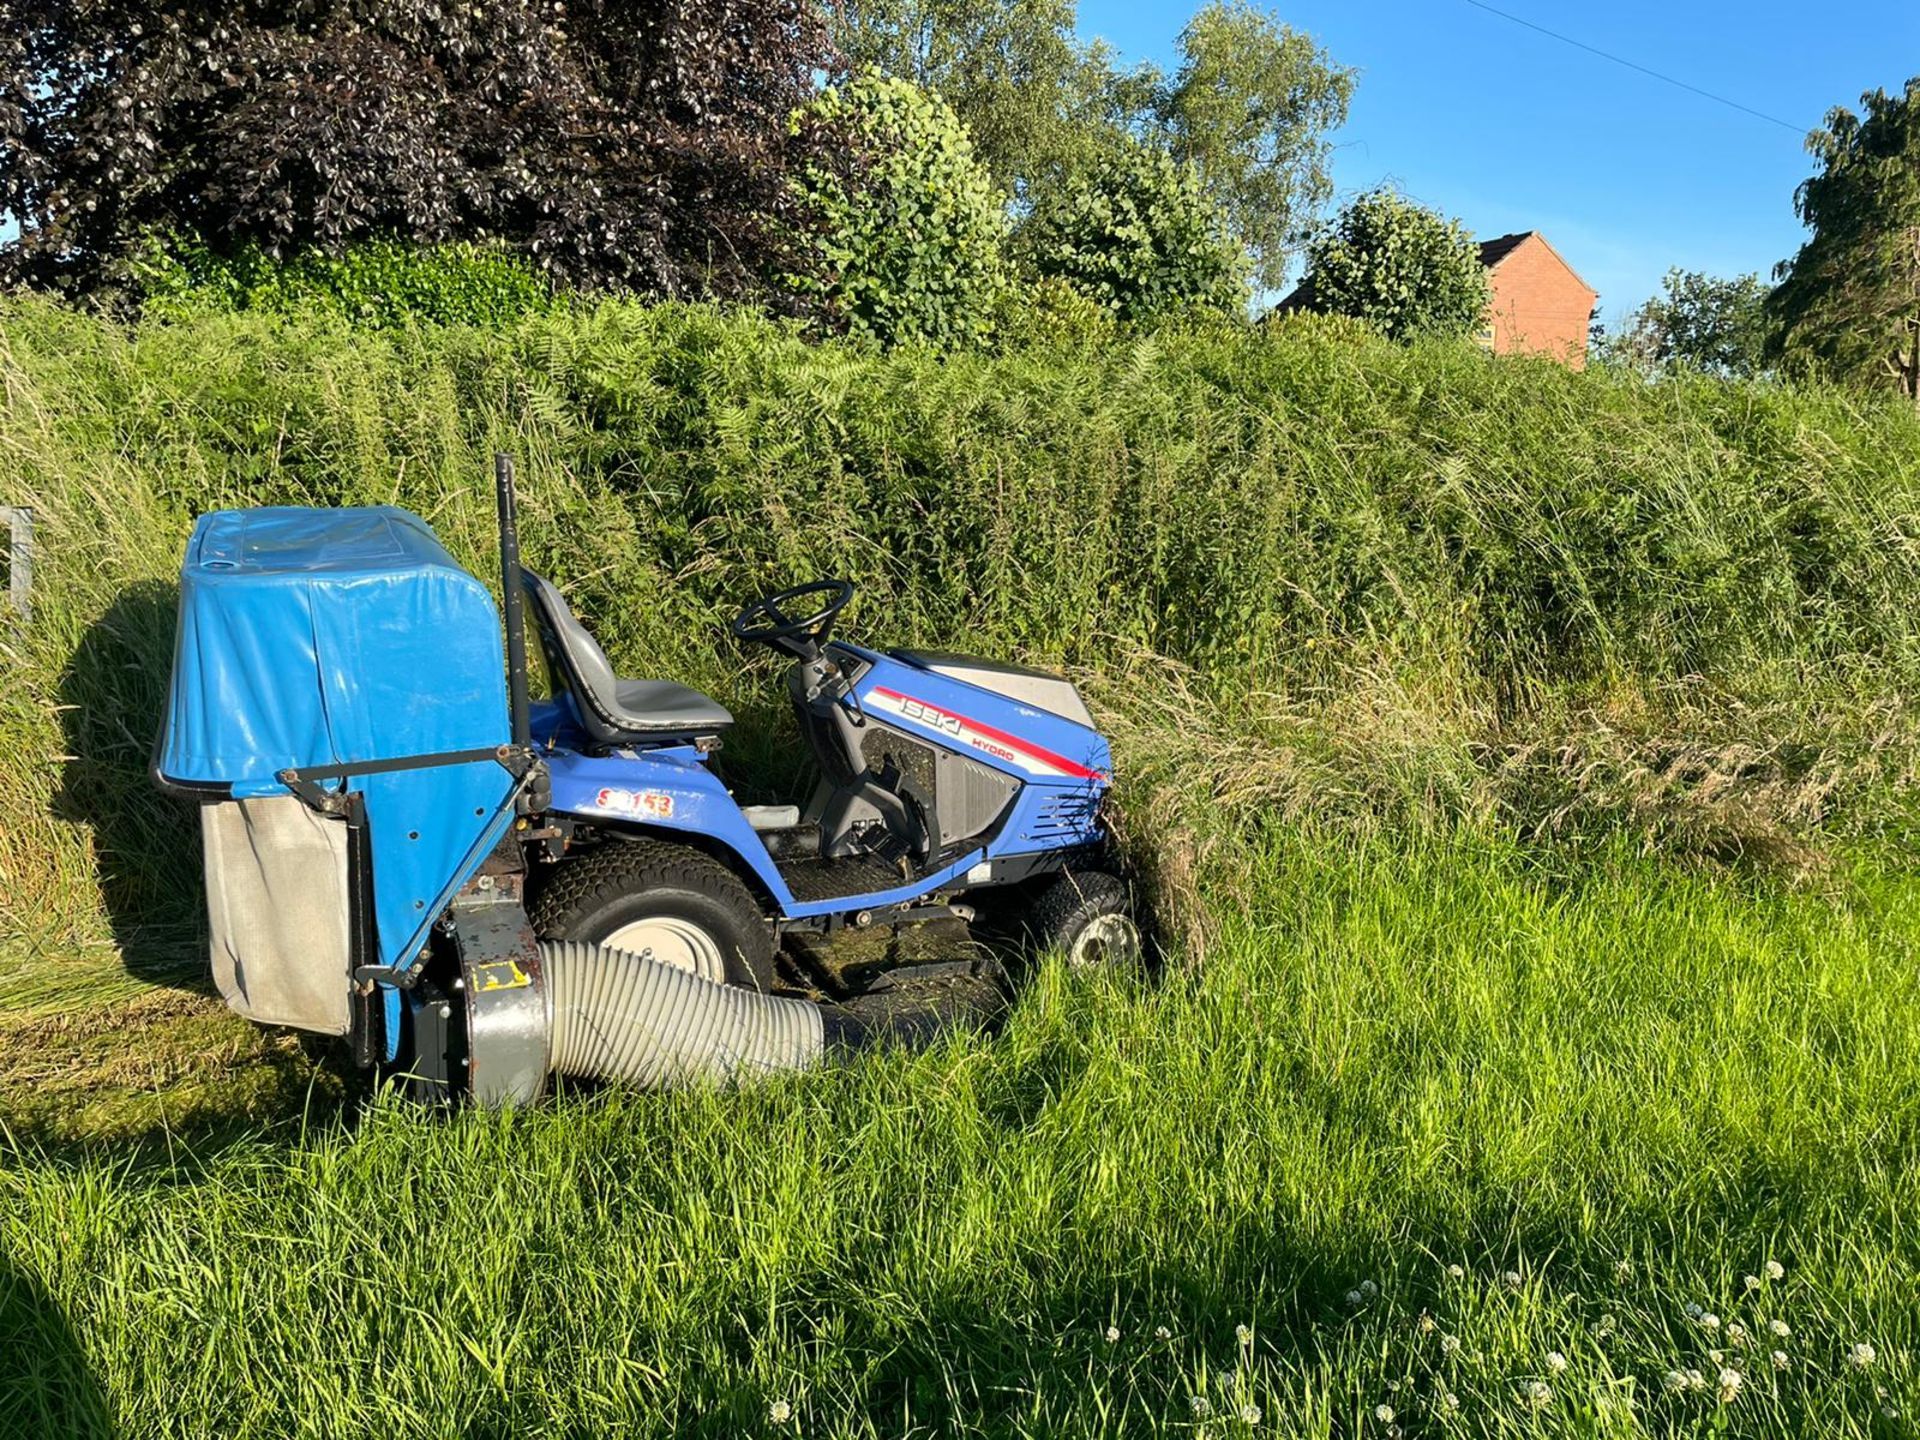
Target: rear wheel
[1088,916]
[665,902]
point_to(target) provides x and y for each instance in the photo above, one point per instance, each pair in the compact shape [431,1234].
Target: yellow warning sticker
[500,975]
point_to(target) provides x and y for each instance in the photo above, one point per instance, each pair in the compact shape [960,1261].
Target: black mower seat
[612,710]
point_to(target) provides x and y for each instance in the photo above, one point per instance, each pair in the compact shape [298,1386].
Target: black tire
[593,896]
[1075,903]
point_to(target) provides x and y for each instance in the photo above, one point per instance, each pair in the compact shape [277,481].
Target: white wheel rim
[670,940]
[1106,940]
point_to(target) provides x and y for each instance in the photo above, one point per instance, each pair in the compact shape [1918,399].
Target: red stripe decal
[1073,769]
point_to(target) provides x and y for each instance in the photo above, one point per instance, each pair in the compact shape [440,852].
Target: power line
[1633,65]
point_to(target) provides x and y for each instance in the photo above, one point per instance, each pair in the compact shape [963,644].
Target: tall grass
[1606,1097]
[1419,585]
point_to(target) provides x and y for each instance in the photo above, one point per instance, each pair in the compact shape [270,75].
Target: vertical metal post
[19,558]
[512,600]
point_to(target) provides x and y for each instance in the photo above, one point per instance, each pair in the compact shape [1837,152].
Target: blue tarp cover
[313,637]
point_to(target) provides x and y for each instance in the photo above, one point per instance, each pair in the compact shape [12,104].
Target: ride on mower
[480,891]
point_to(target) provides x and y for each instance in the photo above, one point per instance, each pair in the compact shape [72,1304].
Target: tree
[1138,235]
[910,236]
[1400,267]
[1250,107]
[1699,322]
[636,145]
[1848,304]
[1034,99]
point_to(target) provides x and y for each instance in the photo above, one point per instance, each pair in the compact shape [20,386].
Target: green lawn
[1606,1093]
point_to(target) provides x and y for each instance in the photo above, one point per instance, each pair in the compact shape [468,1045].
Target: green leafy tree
[1139,236]
[1250,107]
[1402,268]
[1036,102]
[1250,104]
[1699,322]
[1848,305]
[640,146]
[910,234]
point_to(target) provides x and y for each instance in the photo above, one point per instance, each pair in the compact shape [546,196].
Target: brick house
[1540,306]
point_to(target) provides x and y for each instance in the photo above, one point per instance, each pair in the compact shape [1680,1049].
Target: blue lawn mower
[480,891]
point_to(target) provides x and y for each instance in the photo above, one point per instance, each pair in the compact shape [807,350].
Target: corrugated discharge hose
[613,1015]
[618,1016]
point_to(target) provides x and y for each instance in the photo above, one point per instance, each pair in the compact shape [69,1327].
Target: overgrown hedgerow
[1301,571]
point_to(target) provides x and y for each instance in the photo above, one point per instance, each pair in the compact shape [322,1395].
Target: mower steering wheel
[771,621]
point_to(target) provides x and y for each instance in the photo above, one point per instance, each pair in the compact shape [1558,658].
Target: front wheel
[663,902]
[1088,916]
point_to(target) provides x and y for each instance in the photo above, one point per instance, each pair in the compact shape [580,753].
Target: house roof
[1493,251]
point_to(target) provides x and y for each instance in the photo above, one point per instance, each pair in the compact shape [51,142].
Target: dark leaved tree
[640,144]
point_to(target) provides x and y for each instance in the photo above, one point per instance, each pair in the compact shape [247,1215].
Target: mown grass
[1396,1060]
[1519,763]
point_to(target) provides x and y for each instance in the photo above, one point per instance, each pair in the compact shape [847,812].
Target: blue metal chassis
[671,789]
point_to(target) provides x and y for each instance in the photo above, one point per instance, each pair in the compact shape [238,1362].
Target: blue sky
[1510,130]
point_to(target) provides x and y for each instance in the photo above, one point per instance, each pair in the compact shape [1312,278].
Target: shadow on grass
[146,845]
[46,1385]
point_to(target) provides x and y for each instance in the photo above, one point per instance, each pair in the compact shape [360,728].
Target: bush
[380,283]
[1137,235]
[910,232]
[1400,267]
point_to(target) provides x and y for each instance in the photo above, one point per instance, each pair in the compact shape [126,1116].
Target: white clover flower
[1709,1321]
[1556,1362]
[1729,1386]
[1736,1332]
[1369,1289]
[1536,1394]
[1774,1270]
[1675,1382]
[1623,1270]
[1779,1329]
[1715,1357]
[1353,1299]
[1890,1412]
[1861,1356]
[1450,1402]
[1695,1311]
[1243,1334]
[1752,1282]
[1249,1414]
[1113,1334]
[1696,1381]
[779,1412]
[1511,1279]
[1603,1327]
[1449,1344]
[1161,1332]
[1780,1360]
[1229,1379]
[1457,1272]
[1426,1323]
[1200,1405]
[1383,1413]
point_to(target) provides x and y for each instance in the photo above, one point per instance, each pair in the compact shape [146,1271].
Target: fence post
[19,524]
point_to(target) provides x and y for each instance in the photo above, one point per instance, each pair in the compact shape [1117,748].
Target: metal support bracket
[505,991]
